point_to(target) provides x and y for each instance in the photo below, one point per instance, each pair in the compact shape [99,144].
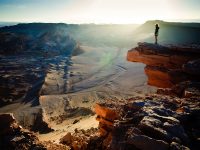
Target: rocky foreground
[151,122]
[167,120]
[13,136]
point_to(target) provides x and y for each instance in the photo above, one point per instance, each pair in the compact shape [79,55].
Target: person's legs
[156,39]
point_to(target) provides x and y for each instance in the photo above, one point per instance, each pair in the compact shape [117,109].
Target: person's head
[156,25]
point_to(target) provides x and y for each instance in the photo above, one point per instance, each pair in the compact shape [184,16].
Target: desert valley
[86,87]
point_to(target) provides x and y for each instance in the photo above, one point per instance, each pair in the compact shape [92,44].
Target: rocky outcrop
[13,136]
[167,65]
[170,57]
[106,114]
[152,122]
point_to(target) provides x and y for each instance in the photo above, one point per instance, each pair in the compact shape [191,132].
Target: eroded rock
[106,111]
[167,65]
[83,139]
[152,122]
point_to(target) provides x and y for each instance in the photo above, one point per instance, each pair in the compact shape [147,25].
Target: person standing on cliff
[156,33]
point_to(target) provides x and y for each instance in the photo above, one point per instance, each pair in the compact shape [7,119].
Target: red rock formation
[106,111]
[161,77]
[157,55]
[106,114]
[164,63]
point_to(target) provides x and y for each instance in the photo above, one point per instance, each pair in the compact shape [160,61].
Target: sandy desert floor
[105,69]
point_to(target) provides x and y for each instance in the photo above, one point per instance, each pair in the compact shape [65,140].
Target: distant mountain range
[35,38]
[2,24]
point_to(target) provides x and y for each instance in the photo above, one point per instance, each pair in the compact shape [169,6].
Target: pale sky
[98,11]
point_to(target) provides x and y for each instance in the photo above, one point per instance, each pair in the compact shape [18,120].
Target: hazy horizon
[99,11]
[175,21]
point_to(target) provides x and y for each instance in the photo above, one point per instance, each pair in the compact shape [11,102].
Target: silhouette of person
[156,33]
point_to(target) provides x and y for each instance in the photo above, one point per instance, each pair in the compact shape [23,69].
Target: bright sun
[130,11]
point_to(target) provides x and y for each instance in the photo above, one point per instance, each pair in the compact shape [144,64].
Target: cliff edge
[167,65]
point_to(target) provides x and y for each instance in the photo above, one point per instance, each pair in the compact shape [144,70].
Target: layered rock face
[167,65]
[152,122]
